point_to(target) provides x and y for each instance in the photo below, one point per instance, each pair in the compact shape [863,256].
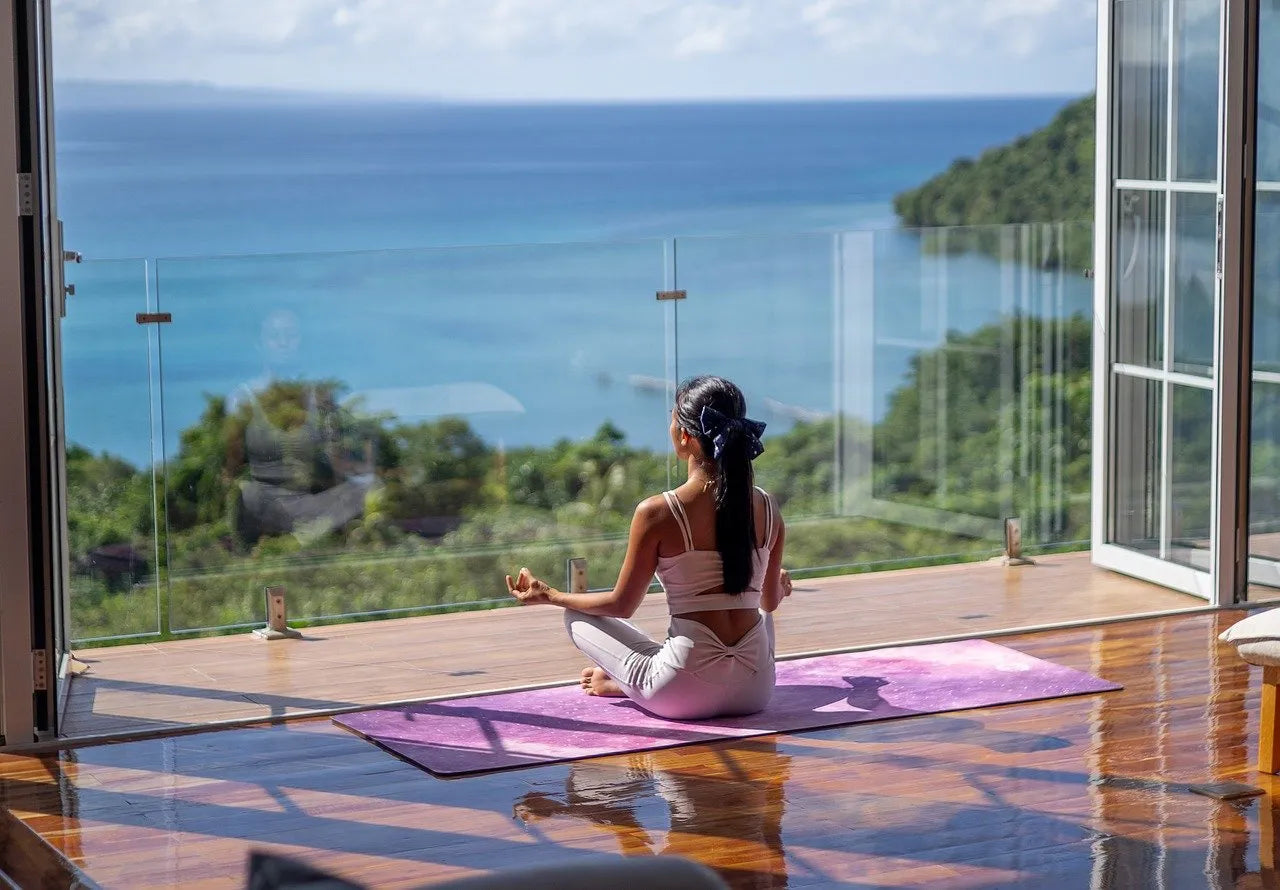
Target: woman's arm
[633,581]
[777,582]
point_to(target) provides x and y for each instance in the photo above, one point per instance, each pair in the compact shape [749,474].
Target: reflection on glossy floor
[1076,792]
[153,686]
[1263,593]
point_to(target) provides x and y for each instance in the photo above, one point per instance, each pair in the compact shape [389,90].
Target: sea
[503,263]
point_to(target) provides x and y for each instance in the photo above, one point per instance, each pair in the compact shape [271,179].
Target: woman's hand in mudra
[784,579]
[528,589]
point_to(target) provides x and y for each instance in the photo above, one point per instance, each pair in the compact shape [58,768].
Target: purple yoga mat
[490,732]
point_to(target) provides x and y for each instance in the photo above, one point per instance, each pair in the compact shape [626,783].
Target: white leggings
[692,675]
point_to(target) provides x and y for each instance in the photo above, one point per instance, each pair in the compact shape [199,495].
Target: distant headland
[1045,176]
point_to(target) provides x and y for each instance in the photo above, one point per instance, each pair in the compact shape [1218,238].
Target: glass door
[1264,489]
[55,293]
[1155,373]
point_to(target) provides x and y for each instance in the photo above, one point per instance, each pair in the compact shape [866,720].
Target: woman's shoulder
[653,509]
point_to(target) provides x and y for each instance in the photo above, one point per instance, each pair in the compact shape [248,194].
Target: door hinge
[153,318]
[40,670]
[26,195]
[672,295]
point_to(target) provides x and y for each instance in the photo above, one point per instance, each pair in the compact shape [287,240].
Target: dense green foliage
[444,514]
[1044,177]
[997,441]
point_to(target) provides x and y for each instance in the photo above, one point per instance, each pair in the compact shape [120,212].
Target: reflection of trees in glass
[1264,469]
[1138,302]
[1141,87]
[1266,288]
[1268,92]
[1196,90]
[1191,468]
[1193,330]
[1195,254]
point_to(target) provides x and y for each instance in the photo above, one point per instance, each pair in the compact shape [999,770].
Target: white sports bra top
[686,576]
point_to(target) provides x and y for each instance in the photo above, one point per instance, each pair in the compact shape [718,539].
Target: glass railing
[920,386]
[110,375]
[979,377]
[386,433]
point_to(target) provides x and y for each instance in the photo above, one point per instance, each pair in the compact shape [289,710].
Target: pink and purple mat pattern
[491,732]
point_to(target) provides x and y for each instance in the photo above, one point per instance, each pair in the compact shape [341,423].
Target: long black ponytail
[734,478]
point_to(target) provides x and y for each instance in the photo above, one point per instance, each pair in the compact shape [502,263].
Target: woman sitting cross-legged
[715,544]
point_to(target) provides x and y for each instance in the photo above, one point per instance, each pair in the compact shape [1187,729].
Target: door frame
[1233,406]
[46,305]
[17,575]
[31,518]
[1224,576]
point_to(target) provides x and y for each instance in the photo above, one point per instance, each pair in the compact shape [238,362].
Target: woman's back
[690,568]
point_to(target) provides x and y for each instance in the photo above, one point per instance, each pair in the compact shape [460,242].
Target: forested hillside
[1043,177]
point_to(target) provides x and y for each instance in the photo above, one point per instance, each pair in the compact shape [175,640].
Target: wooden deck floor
[154,686]
[1074,792]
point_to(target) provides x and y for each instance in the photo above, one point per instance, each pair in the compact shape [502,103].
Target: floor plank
[1083,791]
[156,685]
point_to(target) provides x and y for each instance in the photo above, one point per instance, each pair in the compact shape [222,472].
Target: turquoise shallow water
[354,213]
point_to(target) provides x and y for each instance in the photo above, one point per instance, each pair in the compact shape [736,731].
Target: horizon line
[300,93]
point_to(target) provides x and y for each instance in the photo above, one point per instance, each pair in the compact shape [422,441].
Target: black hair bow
[722,430]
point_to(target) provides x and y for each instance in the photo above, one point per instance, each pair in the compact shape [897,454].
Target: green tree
[942,439]
[438,469]
[109,503]
[1044,177]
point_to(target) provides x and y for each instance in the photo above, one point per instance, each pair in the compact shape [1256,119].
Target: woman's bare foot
[596,682]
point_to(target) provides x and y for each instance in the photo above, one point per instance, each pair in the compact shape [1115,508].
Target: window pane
[1266,285]
[1139,278]
[1194,259]
[1269,92]
[1135,519]
[1265,446]
[1141,88]
[1196,90]
[1264,473]
[1264,461]
[113,529]
[1191,470]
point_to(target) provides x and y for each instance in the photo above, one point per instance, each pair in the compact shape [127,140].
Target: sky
[587,50]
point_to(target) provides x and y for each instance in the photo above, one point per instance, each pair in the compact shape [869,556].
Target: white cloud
[950,26]
[711,28]
[332,42]
[124,26]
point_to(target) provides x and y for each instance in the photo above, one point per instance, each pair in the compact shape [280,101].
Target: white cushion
[1256,638]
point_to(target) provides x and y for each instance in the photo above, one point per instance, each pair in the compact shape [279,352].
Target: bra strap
[677,510]
[768,517]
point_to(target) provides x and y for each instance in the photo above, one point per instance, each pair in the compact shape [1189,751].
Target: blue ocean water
[501,262]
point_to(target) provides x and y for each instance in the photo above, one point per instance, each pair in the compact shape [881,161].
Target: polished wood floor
[1091,791]
[154,686]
